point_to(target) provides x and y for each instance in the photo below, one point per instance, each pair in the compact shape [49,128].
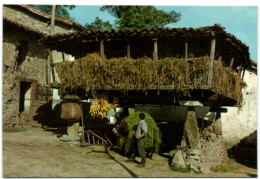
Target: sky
[240,21]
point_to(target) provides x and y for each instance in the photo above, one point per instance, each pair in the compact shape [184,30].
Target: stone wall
[33,66]
[238,124]
[31,69]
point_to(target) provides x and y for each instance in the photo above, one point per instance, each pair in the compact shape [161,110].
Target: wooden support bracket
[231,63]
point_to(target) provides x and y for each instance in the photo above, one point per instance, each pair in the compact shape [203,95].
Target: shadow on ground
[245,152]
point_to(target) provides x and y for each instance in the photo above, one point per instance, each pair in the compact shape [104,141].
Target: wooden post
[102,51]
[88,137]
[63,56]
[50,66]
[239,70]
[155,50]
[93,139]
[186,50]
[211,64]
[244,69]
[53,19]
[128,49]
[82,125]
[48,69]
[231,63]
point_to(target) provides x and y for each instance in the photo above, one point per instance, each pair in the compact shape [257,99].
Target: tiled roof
[95,35]
[16,25]
[63,20]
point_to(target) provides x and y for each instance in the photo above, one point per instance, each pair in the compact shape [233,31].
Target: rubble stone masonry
[32,68]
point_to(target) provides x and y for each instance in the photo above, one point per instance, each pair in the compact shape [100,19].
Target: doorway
[25,97]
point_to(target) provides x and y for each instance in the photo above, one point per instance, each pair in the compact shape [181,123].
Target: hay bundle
[92,71]
[152,139]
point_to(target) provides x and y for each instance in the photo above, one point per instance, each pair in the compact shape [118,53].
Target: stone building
[25,61]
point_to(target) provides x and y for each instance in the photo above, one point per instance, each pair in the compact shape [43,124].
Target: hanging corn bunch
[99,108]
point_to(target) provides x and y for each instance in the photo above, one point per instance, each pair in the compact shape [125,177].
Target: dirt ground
[39,153]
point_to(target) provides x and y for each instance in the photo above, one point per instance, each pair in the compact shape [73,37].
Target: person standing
[140,134]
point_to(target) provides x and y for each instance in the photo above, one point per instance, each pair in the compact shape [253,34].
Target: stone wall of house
[33,21]
[238,124]
[32,69]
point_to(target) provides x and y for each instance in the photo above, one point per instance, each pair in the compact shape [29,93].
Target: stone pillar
[73,128]
[191,131]
[218,124]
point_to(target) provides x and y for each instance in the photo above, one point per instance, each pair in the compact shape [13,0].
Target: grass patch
[16,129]
[225,168]
[180,169]
[231,161]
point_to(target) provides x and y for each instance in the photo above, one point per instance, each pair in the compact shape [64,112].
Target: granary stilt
[191,132]
[73,128]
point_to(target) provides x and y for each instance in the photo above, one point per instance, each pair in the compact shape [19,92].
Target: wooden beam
[211,64]
[128,49]
[155,50]
[102,51]
[186,50]
[231,63]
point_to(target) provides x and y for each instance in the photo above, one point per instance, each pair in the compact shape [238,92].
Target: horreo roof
[63,41]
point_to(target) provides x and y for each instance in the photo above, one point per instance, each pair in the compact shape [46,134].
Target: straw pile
[92,71]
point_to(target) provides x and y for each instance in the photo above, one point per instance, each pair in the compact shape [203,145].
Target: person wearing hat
[140,134]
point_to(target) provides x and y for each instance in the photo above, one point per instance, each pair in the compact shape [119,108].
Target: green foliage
[225,168]
[16,129]
[141,17]
[61,10]
[98,24]
[180,169]
[152,139]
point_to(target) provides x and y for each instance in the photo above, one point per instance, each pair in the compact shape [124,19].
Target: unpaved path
[39,153]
